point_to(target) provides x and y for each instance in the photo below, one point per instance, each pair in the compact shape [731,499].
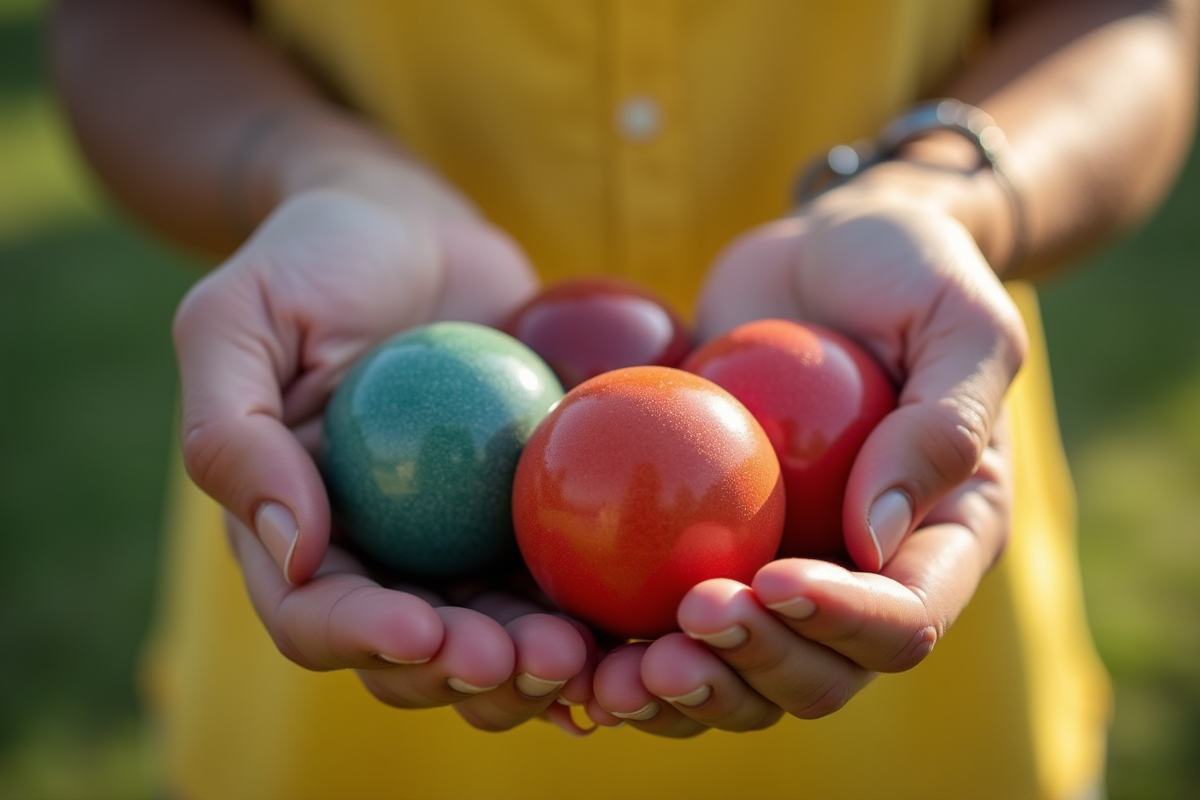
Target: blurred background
[87,391]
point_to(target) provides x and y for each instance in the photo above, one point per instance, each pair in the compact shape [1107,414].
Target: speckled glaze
[641,483]
[421,442]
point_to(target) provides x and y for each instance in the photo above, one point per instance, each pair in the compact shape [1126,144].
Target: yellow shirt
[638,137]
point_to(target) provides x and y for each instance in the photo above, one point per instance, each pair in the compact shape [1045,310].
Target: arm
[201,130]
[210,136]
[1098,101]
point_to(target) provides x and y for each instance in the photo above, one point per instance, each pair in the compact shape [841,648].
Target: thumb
[236,446]
[961,366]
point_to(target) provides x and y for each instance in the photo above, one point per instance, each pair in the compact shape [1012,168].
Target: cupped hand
[264,339]
[262,342]
[808,635]
[927,507]
[909,284]
[498,658]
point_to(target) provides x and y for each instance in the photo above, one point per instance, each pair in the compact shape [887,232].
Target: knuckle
[914,651]
[195,307]
[770,717]
[829,697]
[288,648]
[328,624]
[384,693]
[768,666]
[205,452]
[488,724]
[185,314]
[1014,335]
[956,437]
[294,620]
[685,728]
[751,718]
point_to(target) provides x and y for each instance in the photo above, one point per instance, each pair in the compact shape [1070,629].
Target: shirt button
[639,118]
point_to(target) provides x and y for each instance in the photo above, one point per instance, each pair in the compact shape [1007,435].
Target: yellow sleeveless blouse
[638,137]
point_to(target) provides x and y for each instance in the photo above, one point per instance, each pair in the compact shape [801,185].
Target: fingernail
[564,701]
[796,608]
[459,685]
[724,640]
[400,661]
[531,686]
[888,522]
[278,530]
[693,698]
[641,715]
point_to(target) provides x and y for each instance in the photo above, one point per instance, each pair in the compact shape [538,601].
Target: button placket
[648,198]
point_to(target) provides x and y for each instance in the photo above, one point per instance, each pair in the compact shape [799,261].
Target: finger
[562,717]
[963,356]
[549,652]
[476,658]
[685,673]
[892,620]
[621,697]
[578,690]
[804,678]
[507,608]
[872,620]
[235,444]
[341,619]
[983,504]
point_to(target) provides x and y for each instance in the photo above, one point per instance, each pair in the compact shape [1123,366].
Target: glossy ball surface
[641,483]
[818,395]
[587,326]
[421,441]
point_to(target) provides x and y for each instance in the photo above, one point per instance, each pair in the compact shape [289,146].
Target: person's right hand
[262,342]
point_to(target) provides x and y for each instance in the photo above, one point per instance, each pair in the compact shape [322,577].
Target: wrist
[945,155]
[292,151]
[981,198]
[936,179]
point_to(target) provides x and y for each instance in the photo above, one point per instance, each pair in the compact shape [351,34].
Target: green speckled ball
[421,443]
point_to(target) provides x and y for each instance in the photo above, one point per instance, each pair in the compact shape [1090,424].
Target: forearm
[200,128]
[1097,102]
[1097,99]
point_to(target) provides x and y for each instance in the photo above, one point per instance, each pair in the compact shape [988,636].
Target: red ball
[818,395]
[639,484]
[586,326]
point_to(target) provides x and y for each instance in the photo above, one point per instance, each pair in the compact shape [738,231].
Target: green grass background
[87,387]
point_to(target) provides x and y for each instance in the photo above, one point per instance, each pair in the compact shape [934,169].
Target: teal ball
[420,445]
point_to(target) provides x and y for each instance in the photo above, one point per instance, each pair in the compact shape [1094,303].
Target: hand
[262,342]
[498,658]
[907,282]
[807,635]
[264,339]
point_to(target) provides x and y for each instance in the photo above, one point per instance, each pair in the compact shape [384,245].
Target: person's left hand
[927,506]
[807,635]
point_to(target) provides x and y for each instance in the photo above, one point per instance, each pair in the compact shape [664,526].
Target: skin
[221,138]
